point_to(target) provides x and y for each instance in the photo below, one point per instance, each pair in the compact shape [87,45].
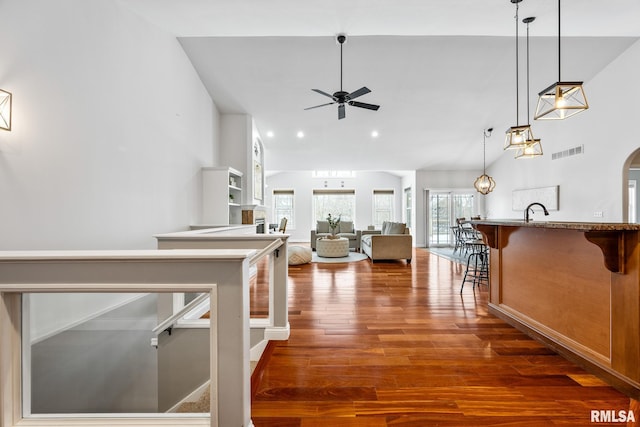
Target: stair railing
[220,274]
[171,321]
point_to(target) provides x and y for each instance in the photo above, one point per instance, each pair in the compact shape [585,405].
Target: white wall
[591,182]
[303,185]
[111,125]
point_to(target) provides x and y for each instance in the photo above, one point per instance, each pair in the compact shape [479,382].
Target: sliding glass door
[444,208]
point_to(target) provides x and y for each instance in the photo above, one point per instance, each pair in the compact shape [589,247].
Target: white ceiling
[442,71]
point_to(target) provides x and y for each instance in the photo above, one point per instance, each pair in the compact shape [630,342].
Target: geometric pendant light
[484,183]
[532,148]
[517,136]
[561,99]
[5,110]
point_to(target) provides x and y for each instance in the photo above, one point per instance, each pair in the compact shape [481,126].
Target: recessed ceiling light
[269,134]
[300,134]
[374,134]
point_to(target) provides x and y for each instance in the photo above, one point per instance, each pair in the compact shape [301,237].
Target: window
[283,207]
[382,207]
[408,205]
[335,202]
[333,174]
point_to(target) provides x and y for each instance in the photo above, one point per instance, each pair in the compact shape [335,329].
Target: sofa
[393,242]
[345,229]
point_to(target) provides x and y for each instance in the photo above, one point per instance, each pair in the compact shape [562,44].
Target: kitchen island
[574,286]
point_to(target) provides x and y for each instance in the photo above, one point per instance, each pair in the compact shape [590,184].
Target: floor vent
[566,153]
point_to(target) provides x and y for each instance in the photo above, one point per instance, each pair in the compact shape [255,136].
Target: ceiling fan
[341,97]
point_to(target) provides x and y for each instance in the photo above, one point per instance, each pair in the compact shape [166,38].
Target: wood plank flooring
[391,344]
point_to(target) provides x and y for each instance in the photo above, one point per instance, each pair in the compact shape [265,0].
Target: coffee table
[332,248]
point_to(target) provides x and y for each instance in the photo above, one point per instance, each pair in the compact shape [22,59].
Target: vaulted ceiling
[442,71]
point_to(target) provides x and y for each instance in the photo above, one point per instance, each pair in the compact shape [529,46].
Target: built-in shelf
[218,185]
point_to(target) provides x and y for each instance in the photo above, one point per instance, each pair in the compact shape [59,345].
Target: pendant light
[484,183]
[518,135]
[561,99]
[5,110]
[533,148]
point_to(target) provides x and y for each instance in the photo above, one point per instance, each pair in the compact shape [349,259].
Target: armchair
[394,242]
[345,229]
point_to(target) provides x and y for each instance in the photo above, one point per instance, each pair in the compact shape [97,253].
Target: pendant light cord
[528,112]
[484,152]
[517,73]
[559,80]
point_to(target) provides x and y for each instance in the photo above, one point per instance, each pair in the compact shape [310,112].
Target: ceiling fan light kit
[342,97]
[562,99]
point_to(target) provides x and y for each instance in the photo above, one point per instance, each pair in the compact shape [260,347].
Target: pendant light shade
[517,136]
[5,110]
[531,149]
[484,184]
[561,99]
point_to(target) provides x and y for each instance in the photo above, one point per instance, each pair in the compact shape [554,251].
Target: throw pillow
[396,228]
[385,227]
[322,227]
[346,227]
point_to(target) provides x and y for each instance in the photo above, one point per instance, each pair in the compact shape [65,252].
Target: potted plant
[333,224]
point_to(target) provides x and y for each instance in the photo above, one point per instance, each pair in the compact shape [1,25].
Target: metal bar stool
[457,238]
[477,270]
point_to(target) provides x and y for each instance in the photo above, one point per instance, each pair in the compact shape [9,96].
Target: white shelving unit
[221,196]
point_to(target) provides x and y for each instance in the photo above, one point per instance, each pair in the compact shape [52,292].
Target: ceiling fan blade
[364,105]
[321,105]
[323,93]
[362,91]
[341,113]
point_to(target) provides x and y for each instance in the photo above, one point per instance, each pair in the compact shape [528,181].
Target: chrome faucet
[526,211]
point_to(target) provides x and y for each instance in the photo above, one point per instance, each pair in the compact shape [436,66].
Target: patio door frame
[452,215]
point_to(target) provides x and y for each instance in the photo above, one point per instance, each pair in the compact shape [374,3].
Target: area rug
[353,257]
[449,254]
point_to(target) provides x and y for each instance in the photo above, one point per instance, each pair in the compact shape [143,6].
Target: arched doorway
[631,188]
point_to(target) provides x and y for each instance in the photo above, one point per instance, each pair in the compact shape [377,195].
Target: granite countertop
[567,225]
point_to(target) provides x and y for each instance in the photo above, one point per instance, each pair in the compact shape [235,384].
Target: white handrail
[172,320]
[267,250]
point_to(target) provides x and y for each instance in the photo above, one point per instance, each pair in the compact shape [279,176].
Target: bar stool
[457,238]
[477,270]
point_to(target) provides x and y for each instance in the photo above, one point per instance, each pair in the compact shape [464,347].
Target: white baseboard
[277,333]
[256,351]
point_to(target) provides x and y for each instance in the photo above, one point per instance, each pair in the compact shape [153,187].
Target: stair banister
[169,322]
[273,246]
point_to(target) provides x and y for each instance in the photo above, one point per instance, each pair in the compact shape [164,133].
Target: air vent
[567,153]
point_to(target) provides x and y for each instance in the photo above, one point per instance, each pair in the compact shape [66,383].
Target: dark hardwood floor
[391,344]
